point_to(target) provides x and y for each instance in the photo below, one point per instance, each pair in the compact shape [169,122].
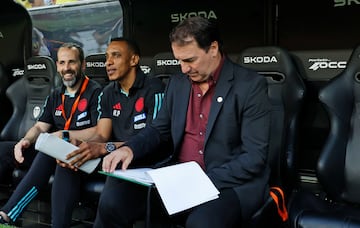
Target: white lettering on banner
[338,3]
[36,67]
[145,69]
[95,64]
[17,72]
[177,17]
[260,59]
[167,62]
[324,63]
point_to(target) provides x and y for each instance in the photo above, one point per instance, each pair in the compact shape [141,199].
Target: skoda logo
[36,111]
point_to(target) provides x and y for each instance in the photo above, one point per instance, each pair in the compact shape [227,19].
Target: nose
[67,66]
[108,61]
[185,68]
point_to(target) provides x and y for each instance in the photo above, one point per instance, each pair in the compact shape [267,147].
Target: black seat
[286,92]
[164,65]
[27,96]
[338,170]
[95,68]
[15,48]
[16,35]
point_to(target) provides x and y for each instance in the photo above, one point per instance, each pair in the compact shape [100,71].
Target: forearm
[88,134]
[32,134]
[85,134]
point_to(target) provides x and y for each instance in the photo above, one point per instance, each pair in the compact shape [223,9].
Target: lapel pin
[219,99]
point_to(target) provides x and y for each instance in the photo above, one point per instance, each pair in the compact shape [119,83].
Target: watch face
[110,147]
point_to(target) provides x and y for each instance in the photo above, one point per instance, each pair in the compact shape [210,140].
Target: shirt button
[201,116]
[201,133]
[199,95]
[200,152]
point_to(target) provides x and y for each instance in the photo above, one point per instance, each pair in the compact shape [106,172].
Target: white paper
[138,175]
[58,148]
[183,186]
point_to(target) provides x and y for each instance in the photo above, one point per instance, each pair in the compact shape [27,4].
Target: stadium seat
[15,48]
[286,91]
[16,35]
[95,68]
[164,65]
[27,96]
[338,170]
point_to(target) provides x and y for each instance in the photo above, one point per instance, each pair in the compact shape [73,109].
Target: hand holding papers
[180,186]
[58,148]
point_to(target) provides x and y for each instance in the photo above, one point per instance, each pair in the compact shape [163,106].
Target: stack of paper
[181,186]
[58,148]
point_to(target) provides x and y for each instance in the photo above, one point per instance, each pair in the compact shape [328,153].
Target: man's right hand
[123,154]
[18,149]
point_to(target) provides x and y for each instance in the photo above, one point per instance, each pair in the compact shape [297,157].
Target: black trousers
[66,190]
[122,203]
[8,162]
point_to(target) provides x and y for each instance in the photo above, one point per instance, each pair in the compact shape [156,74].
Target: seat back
[95,68]
[164,65]
[15,47]
[286,91]
[28,95]
[338,169]
[15,35]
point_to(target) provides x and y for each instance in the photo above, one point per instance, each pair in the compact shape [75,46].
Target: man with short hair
[72,106]
[217,114]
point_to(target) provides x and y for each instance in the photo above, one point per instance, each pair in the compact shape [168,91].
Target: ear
[214,47]
[134,60]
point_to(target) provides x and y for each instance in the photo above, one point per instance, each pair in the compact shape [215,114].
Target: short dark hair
[74,45]
[133,46]
[204,32]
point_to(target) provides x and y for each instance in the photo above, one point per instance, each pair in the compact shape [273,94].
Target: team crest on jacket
[83,103]
[116,109]
[139,104]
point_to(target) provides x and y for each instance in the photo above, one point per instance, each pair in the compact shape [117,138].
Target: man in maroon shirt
[217,114]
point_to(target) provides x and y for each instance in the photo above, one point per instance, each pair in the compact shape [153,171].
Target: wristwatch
[66,135]
[110,147]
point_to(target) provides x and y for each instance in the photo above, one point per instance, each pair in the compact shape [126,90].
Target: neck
[76,87]
[127,82]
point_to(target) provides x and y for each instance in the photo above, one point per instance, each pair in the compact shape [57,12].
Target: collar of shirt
[138,83]
[65,92]
[215,76]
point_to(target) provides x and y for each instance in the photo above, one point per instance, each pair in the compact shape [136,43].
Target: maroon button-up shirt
[196,120]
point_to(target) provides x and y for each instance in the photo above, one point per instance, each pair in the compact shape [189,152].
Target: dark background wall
[318,33]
